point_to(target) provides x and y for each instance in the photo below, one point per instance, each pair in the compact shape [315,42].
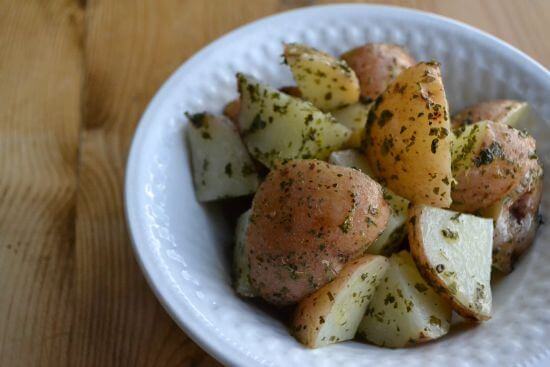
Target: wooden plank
[40,79]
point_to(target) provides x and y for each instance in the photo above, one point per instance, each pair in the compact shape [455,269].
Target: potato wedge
[277,127]
[324,80]
[354,117]
[222,167]
[404,310]
[453,253]
[376,65]
[489,161]
[516,220]
[333,313]
[396,230]
[503,111]
[408,143]
[232,109]
[241,265]
[309,218]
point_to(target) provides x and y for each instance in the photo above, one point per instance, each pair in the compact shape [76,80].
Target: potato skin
[516,221]
[497,111]
[504,158]
[408,140]
[376,65]
[308,219]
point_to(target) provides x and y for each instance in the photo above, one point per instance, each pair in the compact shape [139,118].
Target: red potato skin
[308,219]
[495,111]
[376,65]
[480,186]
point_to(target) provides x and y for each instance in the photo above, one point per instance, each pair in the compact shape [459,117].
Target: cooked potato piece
[404,310]
[453,253]
[323,79]
[516,220]
[396,230]
[222,167]
[308,219]
[241,266]
[351,158]
[278,127]
[354,117]
[489,160]
[408,142]
[333,313]
[376,65]
[507,112]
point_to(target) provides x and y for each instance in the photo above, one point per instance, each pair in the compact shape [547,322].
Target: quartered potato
[408,143]
[277,127]
[232,109]
[405,310]
[323,79]
[395,232]
[222,167]
[489,160]
[503,111]
[376,65]
[354,117]
[332,314]
[309,218]
[453,253]
[241,266]
[516,220]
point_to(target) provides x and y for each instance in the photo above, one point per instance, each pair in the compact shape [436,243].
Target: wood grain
[75,77]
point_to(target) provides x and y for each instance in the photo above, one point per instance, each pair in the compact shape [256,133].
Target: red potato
[516,219]
[489,162]
[504,111]
[308,219]
[376,65]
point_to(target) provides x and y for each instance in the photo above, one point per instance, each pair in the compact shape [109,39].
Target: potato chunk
[222,167]
[453,253]
[277,127]
[502,111]
[395,232]
[376,65]
[408,141]
[489,161]
[241,265]
[323,79]
[308,219]
[333,313]
[405,310]
[354,117]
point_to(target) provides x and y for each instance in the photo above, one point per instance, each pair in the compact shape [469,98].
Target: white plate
[184,247]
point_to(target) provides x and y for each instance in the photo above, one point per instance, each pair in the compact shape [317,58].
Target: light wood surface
[75,77]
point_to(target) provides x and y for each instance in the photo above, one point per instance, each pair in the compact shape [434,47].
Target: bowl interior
[185,247]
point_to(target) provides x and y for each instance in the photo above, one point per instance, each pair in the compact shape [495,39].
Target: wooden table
[75,76]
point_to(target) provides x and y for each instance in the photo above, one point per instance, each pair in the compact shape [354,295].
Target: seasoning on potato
[309,218]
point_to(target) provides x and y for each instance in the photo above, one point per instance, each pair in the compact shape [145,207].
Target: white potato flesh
[454,252]
[241,266]
[354,117]
[222,167]
[277,127]
[326,81]
[332,314]
[405,310]
[396,230]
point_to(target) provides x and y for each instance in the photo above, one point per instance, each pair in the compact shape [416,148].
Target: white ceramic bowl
[184,247]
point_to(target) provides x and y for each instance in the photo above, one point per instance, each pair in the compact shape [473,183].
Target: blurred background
[75,76]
